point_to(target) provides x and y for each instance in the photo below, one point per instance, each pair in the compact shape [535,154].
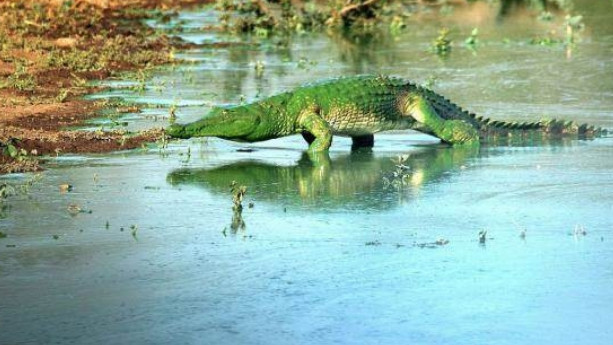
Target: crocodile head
[227,123]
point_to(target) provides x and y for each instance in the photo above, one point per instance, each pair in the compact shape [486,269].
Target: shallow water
[335,252]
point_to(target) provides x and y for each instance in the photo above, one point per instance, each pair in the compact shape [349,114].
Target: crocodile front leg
[315,130]
[449,131]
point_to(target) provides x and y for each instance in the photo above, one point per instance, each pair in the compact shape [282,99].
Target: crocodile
[358,107]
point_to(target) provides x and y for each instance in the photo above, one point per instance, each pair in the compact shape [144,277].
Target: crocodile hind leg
[362,141]
[449,131]
[315,130]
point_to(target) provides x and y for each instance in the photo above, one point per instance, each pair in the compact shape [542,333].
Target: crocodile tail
[451,111]
[549,127]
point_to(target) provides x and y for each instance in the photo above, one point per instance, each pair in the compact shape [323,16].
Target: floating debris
[438,243]
[580,230]
[134,229]
[441,241]
[65,187]
[74,209]
[128,109]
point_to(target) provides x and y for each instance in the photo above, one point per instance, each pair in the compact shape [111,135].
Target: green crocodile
[358,107]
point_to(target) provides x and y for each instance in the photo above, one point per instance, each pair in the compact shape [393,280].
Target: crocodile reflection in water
[353,181]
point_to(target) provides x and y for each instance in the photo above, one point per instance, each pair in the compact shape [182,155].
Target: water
[334,252]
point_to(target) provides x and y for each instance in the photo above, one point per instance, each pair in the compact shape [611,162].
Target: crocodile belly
[353,122]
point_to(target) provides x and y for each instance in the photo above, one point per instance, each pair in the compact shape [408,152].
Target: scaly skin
[358,107]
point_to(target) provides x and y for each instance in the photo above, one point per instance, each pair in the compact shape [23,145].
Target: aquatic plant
[548,40]
[172,113]
[482,236]
[133,230]
[397,24]
[238,193]
[442,44]
[6,190]
[187,155]
[259,68]
[430,81]
[573,25]
[472,40]
[400,177]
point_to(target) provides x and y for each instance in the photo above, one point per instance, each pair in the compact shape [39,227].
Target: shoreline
[50,50]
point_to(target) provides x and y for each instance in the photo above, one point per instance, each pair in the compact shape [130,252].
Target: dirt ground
[48,51]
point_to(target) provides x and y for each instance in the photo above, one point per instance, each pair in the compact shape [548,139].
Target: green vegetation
[8,190]
[401,175]
[133,231]
[20,80]
[472,40]
[238,192]
[266,18]
[572,27]
[77,37]
[442,44]
[19,156]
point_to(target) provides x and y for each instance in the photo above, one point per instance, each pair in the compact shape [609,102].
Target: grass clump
[21,79]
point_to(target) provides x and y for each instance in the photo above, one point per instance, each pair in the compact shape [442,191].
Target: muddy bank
[49,52]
